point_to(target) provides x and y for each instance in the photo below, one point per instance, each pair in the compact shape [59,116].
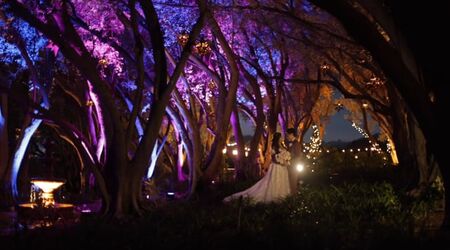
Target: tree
[401,53]
[123,171]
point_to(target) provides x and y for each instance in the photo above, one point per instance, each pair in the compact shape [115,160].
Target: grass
[346,216]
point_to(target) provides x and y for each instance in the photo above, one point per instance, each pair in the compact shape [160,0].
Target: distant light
[343,150]
[300,167]
[224,151]
[312,170]
[148,196]
[235,152]
[356,157]
[170,195]
[246,153]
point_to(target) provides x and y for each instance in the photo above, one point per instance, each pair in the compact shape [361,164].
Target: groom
[294,148]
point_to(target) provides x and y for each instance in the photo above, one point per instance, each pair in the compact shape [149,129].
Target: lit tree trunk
[194,154]
[254,153]
[213,163]
[123,176]
[241,166]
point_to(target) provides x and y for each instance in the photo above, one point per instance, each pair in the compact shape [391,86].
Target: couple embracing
[281,179]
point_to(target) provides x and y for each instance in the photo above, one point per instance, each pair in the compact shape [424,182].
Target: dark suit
[294,149]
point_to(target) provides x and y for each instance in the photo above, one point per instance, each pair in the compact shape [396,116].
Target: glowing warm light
[300,167]
[47,188]
[356,157]
[202,47]
[103,62]
[235,152]
[183,38]
[224,151]
[324,66]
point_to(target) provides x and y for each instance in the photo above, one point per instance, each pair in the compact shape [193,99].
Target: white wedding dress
[274,186]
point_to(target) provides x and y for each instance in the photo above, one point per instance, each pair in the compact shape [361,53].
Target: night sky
[337,129]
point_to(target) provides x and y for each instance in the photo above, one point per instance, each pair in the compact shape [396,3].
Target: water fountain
[43,210]
[47,187]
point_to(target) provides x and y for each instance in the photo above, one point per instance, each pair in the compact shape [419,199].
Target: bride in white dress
[274,186]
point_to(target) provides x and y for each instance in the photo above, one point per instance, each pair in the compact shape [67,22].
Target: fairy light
[388,148]
[313,147]
[315,142]
[360,130]
[375,82]
[374,145]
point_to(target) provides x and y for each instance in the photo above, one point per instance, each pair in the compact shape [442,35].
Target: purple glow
[87,151]
[101,145]
[180,162]
[155,153]
[139,128]
[2,119]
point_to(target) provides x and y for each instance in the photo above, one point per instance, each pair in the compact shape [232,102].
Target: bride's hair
[276,142]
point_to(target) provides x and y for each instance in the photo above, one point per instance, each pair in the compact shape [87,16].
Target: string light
[388,148]
[374,145]
[375,82]
[313,147]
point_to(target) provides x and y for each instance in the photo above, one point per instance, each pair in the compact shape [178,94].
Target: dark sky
[337,129]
